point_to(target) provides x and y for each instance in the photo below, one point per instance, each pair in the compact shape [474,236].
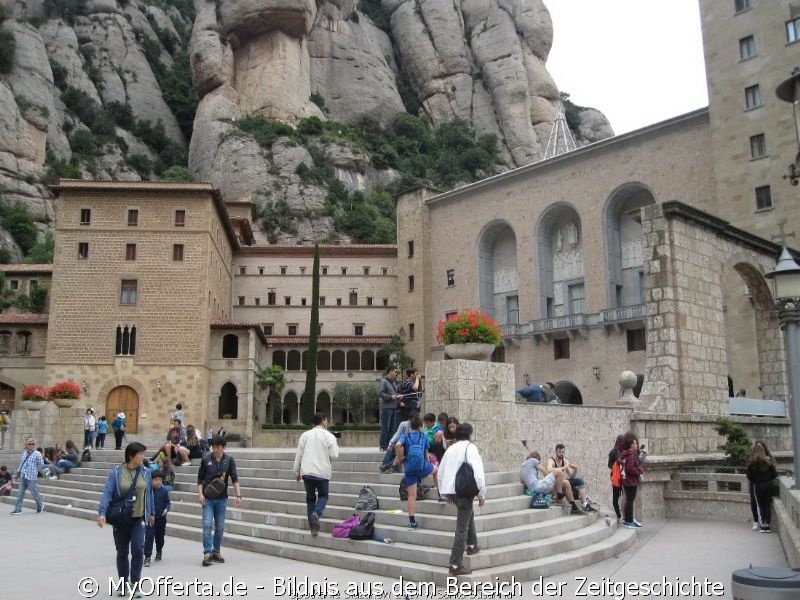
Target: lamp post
[789,91]
[786,278]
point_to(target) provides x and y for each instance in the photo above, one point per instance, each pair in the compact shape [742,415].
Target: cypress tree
[307,406]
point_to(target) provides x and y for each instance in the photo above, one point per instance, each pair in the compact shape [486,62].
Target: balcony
[615,318]
[570,324]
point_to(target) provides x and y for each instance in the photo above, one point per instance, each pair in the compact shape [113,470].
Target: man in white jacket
[312,464]
[456,454]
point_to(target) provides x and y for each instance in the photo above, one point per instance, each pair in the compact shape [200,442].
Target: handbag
[120,510]
[466,487]
[217,486]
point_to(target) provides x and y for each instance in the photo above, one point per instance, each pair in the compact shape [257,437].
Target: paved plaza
[48,555]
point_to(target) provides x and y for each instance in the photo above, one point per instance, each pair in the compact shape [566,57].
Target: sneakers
[473,550]
[206,560]
[146,561]
[217,558]
[40,509]
[458,570]
[413,525]
[589,508]
[756,526]
[158,556]
[16,512]
[635,522]
[442,499]
[577,511]
[313,524]
[766,530]
[385,468]
[188,463]
[630,524]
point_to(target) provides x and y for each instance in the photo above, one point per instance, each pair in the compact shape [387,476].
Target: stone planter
[65,402]
[472,351]
[32,404]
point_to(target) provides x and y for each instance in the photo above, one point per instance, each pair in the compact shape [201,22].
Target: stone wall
[48,425]
[287,438]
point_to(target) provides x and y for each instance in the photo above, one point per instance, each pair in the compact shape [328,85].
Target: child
[102,430]
[161,506]
[5,481]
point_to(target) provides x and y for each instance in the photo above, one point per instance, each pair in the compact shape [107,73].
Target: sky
[637,61]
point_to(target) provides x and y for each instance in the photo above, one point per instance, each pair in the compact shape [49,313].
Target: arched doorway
[124,399]
[568,393]
[228,402]
[324,405]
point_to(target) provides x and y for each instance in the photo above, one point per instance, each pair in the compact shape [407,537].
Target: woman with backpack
[413,447]
[616,479]
[630,472]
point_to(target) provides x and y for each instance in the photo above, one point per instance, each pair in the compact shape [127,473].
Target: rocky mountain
[312,108]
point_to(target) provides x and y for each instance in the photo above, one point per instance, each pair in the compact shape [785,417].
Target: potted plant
[33,397]
[469,334]
[64,393]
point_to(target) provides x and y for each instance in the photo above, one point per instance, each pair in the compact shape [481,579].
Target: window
[358,329]
[130,251]
[271,297]
[322,300]
[512,310]
[384,270]
[410,332]
[369,300]
[13,284]
[793,30]
[241,300]
[302,270]
[763,198]
[550,309]
[283,270]
[636,340]
[267,327]
[292,328]
[83,249]
[561,349]
[287,300]
[366,270]
[5,342]
[752,96]
[319,328]
[177,252]
[410,248]
[577,298]
[324,270]
[258,301]
[126,341]
[302,301]
[230,346]
[260,270]
[758,146]
[747,47]
[86,216]
[410,283]
[338,302]
[180,218]
[242,270]
[133,217]
[741,5]
[344,270]
[23,342]
[451,277]
[386,302]
[353,301]
[128,292]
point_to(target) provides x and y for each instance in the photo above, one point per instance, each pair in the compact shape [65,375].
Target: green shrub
[20,224]
[310,126]
[177,173]
[59,169]
[317,99]
[372,8]
[59,74]
[264,131]
[122,114]
[64,9]
[141,164]
[738,446]
[8,47]
[83,143]
[42,252]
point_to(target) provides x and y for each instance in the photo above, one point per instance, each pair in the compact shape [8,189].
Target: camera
[337,435]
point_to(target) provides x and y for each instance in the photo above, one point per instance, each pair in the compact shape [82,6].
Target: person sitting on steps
[570,471]
[537,480]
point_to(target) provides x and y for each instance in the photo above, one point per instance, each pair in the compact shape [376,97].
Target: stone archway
[124,399]
[498,278]
[560,259]
[228,402]
[568,393]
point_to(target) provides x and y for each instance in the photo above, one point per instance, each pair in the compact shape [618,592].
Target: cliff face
[105,89]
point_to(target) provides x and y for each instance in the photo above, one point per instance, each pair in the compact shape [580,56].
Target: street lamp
[789,91]
[786,279]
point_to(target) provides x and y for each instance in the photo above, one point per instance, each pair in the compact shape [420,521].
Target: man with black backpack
[212,489]
[410,391]
[413,447]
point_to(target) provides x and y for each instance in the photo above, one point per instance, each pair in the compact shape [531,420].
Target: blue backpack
[415,452]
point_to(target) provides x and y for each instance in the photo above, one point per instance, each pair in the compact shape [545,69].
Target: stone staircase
[514,539]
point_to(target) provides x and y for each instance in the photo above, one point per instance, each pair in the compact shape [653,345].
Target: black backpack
[86,456]
[365,530]
[422,490]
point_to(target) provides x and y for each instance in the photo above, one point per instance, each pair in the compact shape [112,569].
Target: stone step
[410,561]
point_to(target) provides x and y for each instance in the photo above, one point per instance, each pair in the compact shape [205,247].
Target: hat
[121,415]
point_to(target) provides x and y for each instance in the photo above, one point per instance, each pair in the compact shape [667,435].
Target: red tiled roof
[23,319]
[216,324]
[26,268]
[330,340]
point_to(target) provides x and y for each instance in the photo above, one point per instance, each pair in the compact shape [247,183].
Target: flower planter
[65,402]
[470,351]
[32,404]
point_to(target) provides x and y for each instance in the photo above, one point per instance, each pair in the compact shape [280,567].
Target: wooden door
[123,399]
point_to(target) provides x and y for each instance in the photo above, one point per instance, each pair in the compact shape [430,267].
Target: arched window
[561,262]
[381,361]
[497,273]
[367,360]
[353,360]
[279,359]
[293,360]
[228,402]
[230,346]
[323,360]
[304,361]
[126,341]
[23,345]
[337,362]
[5,342]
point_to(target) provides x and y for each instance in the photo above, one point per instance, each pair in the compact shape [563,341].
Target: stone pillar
[480,393]
[627,381]
[48,425]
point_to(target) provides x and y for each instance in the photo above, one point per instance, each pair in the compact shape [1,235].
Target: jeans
[155,532]
[33,486]
[88,438]
[316,495]
[213,516]
[101,441]
[130,536]
[387,426]
[465,530]
[66,464]
[388,458]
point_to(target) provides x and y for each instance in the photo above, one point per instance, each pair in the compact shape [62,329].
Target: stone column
[480,393]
